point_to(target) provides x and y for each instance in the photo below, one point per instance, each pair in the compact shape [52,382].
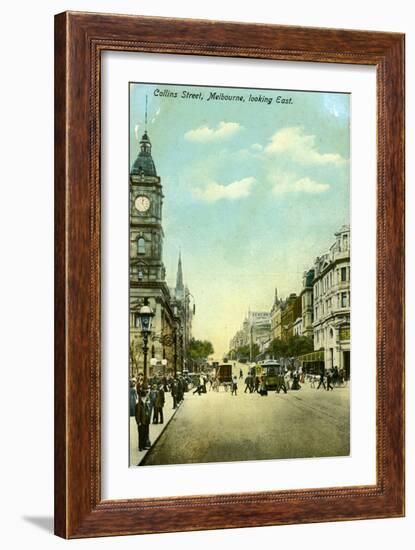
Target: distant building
[259,323]
[298,327]
[289,315]
[307,304]
[275,315]
[185,309]
[331,302]
[256,329]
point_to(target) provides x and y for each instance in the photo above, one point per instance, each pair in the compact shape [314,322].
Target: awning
[313,357]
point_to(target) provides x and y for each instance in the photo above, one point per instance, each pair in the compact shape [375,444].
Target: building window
[344,299]
[343,274]
[345,242]
[141,245]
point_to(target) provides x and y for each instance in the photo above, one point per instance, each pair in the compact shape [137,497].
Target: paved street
[221,427]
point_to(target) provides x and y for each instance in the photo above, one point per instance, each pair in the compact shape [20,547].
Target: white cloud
[204,134]
[289,184]
[256,147]
[153,120]
[214,191]
[136,128]
[300,147]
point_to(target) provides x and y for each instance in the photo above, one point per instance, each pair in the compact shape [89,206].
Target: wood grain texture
[79,40]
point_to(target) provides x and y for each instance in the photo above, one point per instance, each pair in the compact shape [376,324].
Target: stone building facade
[307,313]
[331,303]
[289,315]
[148,274]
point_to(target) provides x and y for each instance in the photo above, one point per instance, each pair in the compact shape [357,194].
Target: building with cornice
[147,271]
[331,303]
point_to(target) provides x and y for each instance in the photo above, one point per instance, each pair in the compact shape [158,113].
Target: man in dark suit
[180,388]
[158,405]
[142,417]
[281,383]
[173,389]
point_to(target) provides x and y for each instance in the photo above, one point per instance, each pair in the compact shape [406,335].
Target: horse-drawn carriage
[223,377]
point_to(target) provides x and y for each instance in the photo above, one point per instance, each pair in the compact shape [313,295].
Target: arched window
[141,245]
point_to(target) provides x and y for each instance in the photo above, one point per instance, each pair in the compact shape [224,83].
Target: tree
[278,348]
[243,353]
[200,349]
[292,347]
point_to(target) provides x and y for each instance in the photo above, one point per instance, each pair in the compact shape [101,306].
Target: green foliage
[243,353]
[292,347]
[200,349]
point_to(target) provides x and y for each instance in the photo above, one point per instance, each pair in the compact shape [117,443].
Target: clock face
[142,203]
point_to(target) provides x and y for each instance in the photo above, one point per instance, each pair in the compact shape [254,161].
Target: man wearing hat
[142,417]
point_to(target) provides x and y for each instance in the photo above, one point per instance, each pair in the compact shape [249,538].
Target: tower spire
[145,126]
[179,278]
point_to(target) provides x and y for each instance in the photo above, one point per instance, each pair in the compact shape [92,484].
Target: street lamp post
[186,339]
[145,317]
[175,351]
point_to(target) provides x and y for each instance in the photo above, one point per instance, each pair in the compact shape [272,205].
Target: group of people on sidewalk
[147,403]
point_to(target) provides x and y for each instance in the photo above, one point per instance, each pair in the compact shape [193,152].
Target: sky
[254,188]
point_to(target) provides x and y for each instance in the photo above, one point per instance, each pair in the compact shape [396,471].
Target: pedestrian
[281,384]
[180,389]
[240,373]
[336,377]
[328,380]
[133,397]
[248,384]
[199,387]
[296,383]
[158,405]
[139,385]
[152,401]
[257,382]
[234,385]
[321,382]
[142,417]
[263,387]
[173,390]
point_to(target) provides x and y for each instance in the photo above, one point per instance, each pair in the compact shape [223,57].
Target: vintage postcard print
[239,236]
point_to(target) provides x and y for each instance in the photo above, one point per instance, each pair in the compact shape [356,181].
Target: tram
[268,371]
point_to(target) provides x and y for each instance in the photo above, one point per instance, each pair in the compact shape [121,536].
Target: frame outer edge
[60,344]
[76,513]
[396,275]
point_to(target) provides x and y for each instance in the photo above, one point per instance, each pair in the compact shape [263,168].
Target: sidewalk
[156,430]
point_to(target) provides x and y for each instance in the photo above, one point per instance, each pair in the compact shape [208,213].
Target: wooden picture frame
[79,40]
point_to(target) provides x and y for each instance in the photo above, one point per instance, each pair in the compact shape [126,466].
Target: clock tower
[146,232]
[147,271]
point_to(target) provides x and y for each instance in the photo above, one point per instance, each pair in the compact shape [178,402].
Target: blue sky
[254,191]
